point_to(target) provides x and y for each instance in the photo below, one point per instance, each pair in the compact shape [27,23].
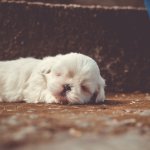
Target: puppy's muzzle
[62,97]
[66,88]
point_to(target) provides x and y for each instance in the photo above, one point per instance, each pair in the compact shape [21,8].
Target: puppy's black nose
[67,88]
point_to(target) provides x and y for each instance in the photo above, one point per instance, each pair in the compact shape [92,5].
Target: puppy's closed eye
[58,74]
[48,71]
[85,89]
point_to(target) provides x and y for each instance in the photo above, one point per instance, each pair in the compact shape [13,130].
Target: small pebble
[21,134]
[145,113]
[132,102]
[75,132]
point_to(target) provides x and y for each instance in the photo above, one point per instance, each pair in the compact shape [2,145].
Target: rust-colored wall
[118,39]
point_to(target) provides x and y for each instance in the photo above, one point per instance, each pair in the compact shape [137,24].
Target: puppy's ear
[101,91]
[48,63]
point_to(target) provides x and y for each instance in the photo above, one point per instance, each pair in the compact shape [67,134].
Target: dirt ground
[121,122]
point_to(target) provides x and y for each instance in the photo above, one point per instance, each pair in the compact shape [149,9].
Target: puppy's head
[75,78]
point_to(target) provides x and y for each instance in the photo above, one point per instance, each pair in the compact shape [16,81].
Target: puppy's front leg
[47,97]
[36,90]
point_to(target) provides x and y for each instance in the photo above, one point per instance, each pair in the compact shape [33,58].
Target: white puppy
[71,78]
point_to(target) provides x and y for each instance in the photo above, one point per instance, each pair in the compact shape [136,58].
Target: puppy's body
[72,78]
[14,76]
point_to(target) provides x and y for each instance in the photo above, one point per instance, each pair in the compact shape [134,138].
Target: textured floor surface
[122,121]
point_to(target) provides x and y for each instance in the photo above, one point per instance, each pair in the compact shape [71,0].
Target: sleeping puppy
[72,78]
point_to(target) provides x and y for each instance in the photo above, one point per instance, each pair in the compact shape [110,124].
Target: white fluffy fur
[35,80]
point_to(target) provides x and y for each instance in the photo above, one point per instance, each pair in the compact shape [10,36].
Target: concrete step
[117,37]
[110,3]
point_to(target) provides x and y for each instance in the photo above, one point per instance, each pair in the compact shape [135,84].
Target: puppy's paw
[101,91]
[51,99]
[47,97]
[100,97]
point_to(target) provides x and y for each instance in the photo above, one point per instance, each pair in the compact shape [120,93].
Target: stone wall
[118,38]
